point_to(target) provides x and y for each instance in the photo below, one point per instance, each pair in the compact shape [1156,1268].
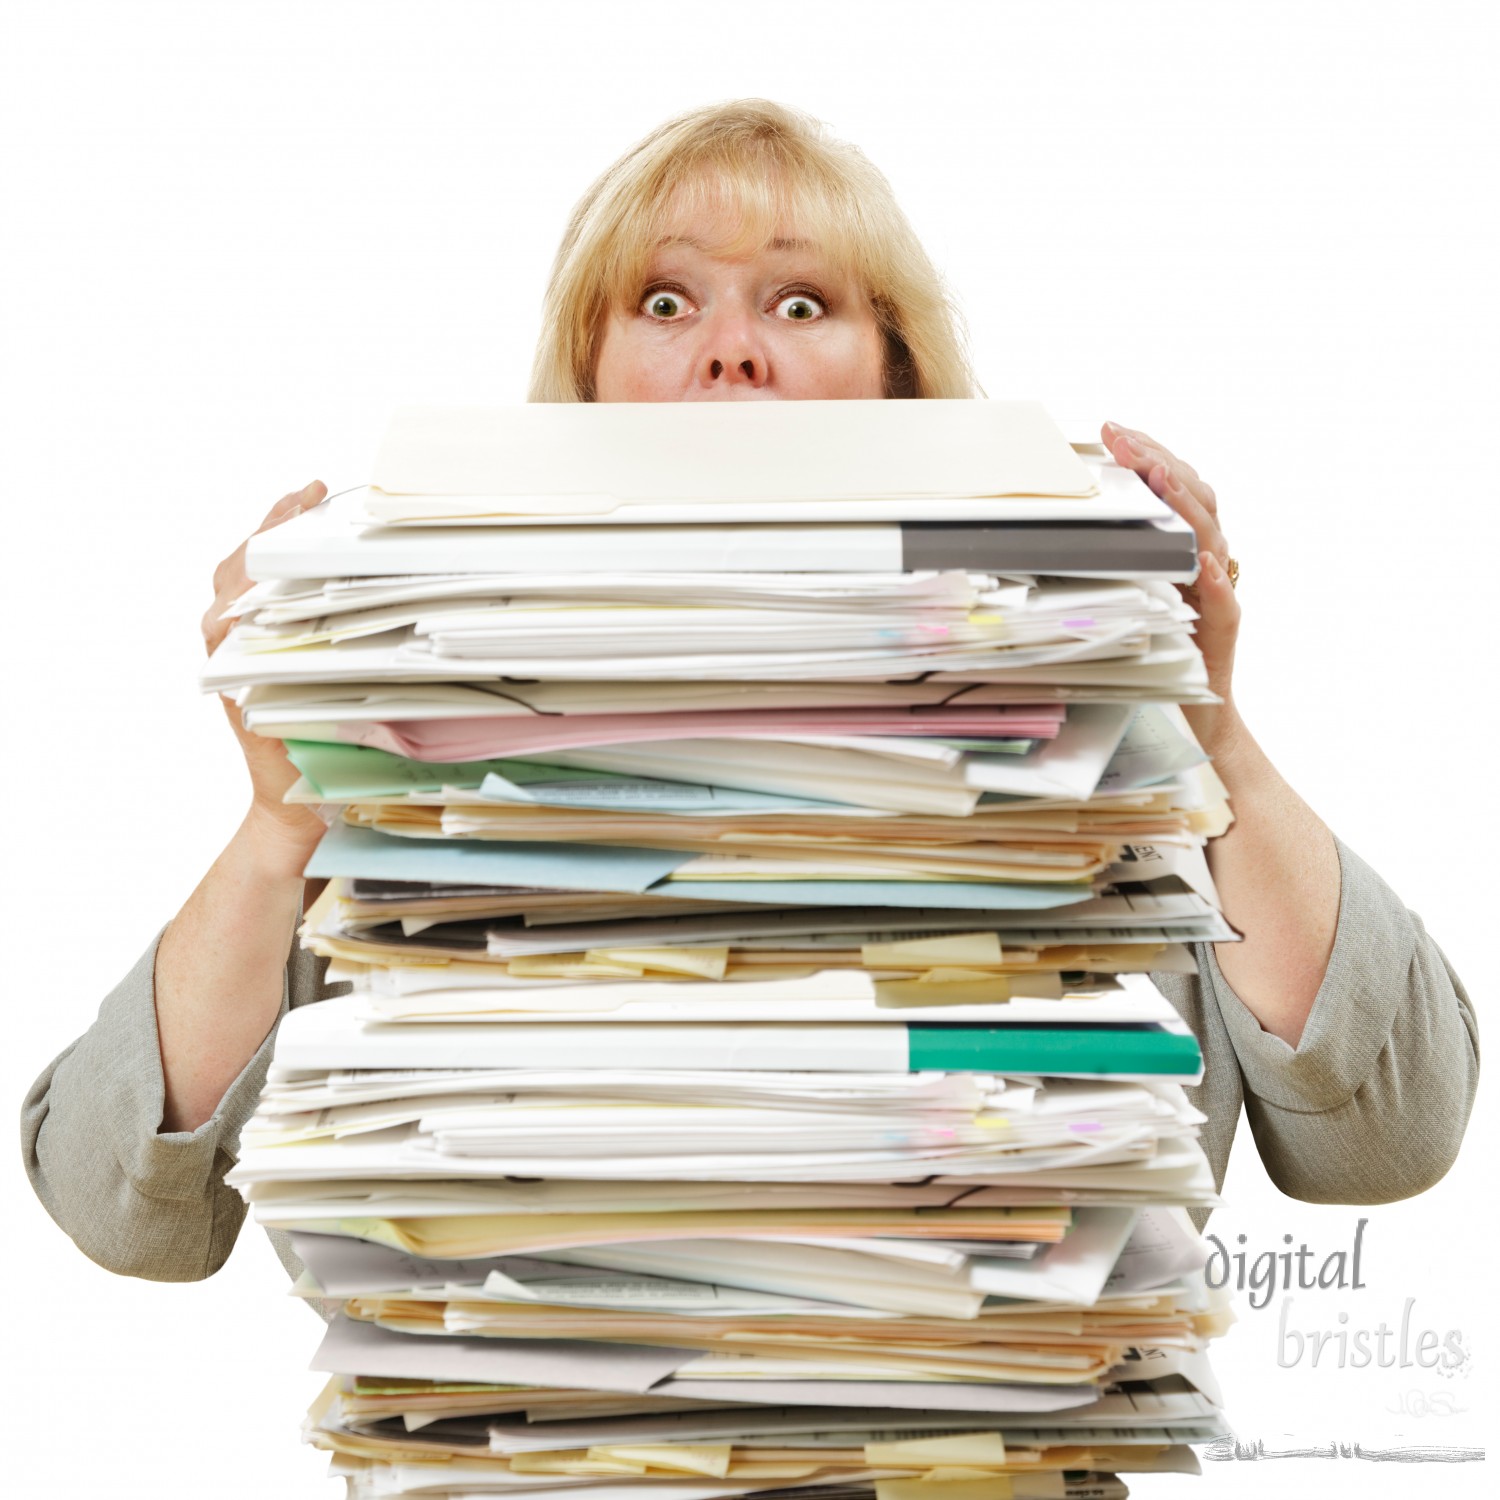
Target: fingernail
[1212,568]
[1132,446]
[308,488]
[296,510]
[1173,483]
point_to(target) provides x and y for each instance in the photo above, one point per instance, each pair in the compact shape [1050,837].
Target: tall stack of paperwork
[753,828]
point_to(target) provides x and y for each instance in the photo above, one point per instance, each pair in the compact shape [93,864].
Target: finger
[1188,504]
[299,500]
[1113,432]
[1140,453]
[1218,624]
[1218,609]
[230,582]
[1200,489]
[1140,443]
[217,621]
[1214,586]
[231,579]
[284,510]
[1204,523]
[282,507]
[278,518]
[1137,452]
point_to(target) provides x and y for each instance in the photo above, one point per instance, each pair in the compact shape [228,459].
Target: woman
[739,254]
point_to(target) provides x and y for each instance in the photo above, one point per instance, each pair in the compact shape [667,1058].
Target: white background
[237,235]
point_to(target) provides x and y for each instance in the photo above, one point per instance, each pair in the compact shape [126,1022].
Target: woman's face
[707,326]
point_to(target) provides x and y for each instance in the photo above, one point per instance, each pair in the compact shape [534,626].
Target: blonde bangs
[765,173]
[758,204]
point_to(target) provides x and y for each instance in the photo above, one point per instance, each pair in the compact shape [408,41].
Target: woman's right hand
[288,832]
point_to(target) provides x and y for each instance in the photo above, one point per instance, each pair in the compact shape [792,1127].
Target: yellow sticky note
[687,1458]
[952,975]
[703,963]
[570,1461]
[993,1487]
[571,966]
[917,992]
[964,1449]
[961,948]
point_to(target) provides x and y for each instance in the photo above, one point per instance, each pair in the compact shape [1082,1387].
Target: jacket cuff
[175,1166]
[1353,1012]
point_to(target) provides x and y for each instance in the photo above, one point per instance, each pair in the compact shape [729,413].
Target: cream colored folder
[474,463]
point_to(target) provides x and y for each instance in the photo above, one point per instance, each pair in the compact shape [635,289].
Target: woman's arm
[1277,871]
[138,1198]
[1356,1044]
[1372,1104]
[219,967]
[1277,868]
[127,1135]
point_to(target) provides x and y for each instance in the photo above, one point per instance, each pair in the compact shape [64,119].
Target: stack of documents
[753,830]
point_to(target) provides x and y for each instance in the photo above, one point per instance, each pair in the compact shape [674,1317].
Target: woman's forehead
[722,238]
[729,210]
[724,217]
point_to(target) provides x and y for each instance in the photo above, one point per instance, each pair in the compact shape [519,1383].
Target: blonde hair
[764,167]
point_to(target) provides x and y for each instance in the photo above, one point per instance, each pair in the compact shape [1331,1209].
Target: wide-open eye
[665,304]
[800,307]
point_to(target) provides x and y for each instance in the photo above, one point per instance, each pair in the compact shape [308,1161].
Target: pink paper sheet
[441,740]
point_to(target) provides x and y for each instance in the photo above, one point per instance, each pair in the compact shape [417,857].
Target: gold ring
[1233,569]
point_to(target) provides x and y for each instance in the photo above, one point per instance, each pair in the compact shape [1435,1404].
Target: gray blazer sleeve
[138,1201]
[1372,1103]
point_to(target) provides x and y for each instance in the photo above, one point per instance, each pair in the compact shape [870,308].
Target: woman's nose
[731,355]
[746,367]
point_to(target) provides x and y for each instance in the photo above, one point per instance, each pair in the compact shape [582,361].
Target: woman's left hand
[1212,595]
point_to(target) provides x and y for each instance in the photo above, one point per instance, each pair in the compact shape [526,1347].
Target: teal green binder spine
[1068,1049]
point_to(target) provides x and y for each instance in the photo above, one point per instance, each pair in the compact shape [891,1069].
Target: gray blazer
[1370,1107]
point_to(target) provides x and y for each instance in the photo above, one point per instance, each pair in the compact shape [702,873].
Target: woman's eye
[799,307]
[665,305]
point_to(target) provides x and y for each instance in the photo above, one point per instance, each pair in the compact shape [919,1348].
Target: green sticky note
[344,772]
[1045,1049]
[987,747]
